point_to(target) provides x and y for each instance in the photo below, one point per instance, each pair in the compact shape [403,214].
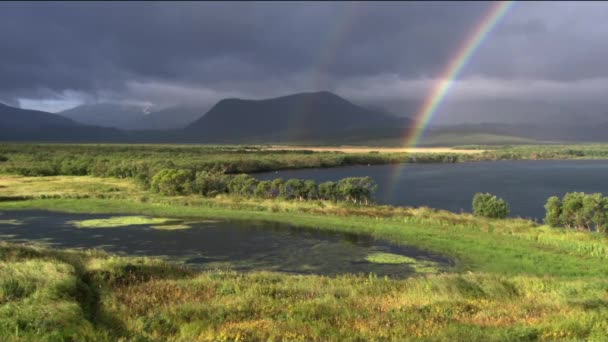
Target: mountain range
[304,118]
[300,117]
[31,125]
[132,117]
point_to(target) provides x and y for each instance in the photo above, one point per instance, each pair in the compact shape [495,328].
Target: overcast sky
[55,55]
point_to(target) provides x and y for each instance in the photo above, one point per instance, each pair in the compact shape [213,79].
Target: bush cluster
[358,190]
[578,210]
[488,205]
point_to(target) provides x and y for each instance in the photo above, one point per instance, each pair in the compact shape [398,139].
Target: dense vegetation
[144,161]
[488,205]
[578,210]
[185,182]
[513,280]
[97,297]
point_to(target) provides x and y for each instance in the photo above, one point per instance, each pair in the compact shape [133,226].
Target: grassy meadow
[512,279]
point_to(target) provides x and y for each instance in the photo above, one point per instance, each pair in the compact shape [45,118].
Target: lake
[526,185]
[224,244]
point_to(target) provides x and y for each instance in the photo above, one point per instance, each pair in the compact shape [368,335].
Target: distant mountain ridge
[309,118]
[303,116]
[106,115]
[18,124]
[131,117]
[17,118]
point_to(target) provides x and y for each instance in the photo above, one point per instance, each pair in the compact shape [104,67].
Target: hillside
[106,115]
[31,125]
[17,118]
[170,118]
[299,117]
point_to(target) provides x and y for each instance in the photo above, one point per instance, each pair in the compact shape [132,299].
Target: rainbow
[453,69]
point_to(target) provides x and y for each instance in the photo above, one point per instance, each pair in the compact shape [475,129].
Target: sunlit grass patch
[420,266]
[11,222]
[121,221]
[389,258]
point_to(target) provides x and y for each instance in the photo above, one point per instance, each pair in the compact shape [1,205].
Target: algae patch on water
[389,258]
[122,221]
[177,226]
[420,266]
[11,222]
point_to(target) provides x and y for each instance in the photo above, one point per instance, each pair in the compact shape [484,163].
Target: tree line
[575,210]
[358,190]
[578,210]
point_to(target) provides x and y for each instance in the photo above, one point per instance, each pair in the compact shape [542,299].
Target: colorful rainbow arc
[454,68]
[430,105]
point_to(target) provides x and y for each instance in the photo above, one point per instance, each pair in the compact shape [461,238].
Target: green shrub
[488,205]
[553,210]
[172,182]
[294,189]
[356,189]
[578,210]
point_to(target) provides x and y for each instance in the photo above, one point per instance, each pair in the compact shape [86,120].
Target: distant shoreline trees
[357,190]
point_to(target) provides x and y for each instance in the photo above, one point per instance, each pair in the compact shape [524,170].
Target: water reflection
[238,245]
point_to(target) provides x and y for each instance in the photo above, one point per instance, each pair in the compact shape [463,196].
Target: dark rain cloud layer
[164,52]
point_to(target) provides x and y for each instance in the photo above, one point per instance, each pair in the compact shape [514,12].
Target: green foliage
[356,189]
[553,210]
[210,184]
[488,205]
[243,185]
[329,191]
[59,295]
[311,190]
[293,189]
[263,189]
[142,162]
[578,210]
[172,182]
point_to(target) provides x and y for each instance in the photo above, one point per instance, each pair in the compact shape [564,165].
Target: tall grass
[96,296]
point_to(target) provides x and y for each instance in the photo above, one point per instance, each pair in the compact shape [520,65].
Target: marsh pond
[221,244]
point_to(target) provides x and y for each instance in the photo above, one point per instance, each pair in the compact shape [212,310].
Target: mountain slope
[31,125]
[170,118]
[17,118]
[106,115]
[298,117]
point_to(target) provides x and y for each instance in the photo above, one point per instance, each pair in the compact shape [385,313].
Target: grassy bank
[59,295]
[513,280]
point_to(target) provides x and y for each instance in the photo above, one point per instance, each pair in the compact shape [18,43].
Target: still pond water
[237,245]
[526,185]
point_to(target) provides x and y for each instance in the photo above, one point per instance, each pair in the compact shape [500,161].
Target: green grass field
[457,139]
[513,279]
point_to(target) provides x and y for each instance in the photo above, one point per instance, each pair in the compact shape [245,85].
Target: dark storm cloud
[164,52]
[91,46]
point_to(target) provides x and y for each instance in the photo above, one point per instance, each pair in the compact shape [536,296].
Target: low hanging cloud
[60,54]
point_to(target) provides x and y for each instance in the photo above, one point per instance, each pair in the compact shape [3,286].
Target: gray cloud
[168,53]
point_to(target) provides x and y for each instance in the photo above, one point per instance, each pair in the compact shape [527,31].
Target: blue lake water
[526,185]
